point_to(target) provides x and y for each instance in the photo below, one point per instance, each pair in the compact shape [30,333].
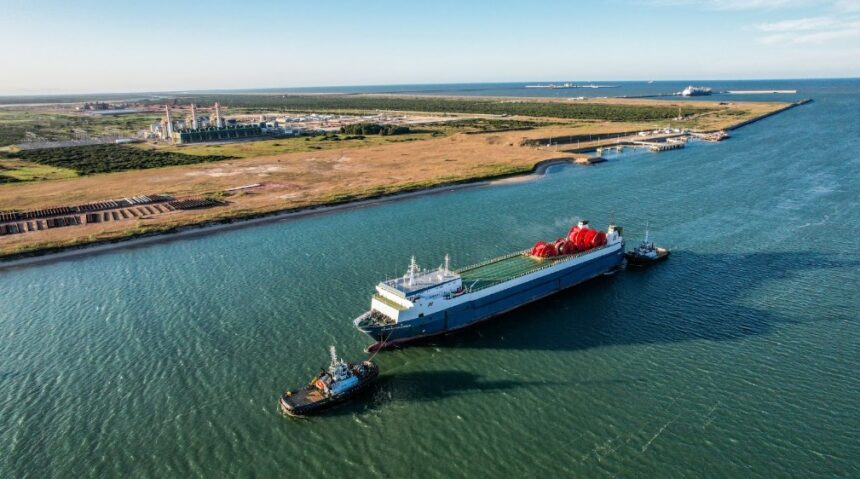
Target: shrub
[87,160]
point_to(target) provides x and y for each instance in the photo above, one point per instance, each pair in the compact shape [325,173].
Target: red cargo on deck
[579,238]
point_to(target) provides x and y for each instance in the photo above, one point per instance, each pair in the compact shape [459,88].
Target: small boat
[340,382]
[646,253]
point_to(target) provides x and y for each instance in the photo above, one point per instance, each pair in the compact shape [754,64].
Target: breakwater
[787,107]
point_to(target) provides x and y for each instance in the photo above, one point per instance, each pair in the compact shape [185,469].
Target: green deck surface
[503,269]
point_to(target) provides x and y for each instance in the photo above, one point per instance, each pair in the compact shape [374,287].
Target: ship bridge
[417,281]
[399,294]
[407,287]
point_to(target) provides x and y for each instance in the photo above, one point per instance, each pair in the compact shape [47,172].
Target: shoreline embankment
[58,253]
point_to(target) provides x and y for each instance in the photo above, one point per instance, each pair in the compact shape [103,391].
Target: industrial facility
[200,128]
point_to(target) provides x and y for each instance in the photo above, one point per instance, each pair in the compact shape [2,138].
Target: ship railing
[493,260]
[530,271]
[374,318]
[391,289]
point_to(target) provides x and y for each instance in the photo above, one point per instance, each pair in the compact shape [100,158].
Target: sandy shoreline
[193,231]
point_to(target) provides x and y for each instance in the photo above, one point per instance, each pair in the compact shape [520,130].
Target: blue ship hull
[487,307]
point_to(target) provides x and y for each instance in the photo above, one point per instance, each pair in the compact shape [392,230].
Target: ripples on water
[737,357]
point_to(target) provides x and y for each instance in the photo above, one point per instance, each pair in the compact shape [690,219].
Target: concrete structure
[194,124]
[168,123]
[199,129]
[219,121]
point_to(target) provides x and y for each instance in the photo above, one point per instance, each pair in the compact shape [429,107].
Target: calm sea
[618,88]
[739,357]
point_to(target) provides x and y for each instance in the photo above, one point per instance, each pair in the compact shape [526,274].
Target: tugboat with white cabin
[646,253]
[340,382]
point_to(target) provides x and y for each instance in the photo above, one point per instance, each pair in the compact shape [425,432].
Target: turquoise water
[739,357]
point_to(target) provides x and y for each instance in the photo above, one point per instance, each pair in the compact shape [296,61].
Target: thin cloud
[798,25]
[754,4]
[847,5]
[809,30]
[744,4]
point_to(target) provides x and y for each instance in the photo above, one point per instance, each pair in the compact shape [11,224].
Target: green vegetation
[487,125]
[87,160]
[25,171]
[8,179]
[274,147]
[585,110]
[57,124]
[374,129]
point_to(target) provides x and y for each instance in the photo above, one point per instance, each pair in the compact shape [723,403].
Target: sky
[91,46]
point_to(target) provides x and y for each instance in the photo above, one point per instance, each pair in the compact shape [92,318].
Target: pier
[659,146]
[711,136]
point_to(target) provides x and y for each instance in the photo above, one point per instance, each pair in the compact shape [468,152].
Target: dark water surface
[739,357]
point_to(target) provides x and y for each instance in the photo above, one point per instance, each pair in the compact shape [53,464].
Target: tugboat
[340,382]
[646,253]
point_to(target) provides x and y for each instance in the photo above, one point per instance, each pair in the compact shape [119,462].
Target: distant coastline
[58,252]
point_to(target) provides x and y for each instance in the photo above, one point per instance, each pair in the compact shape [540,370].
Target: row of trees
[344,103]
[374,129]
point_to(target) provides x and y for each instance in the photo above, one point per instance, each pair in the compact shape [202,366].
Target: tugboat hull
[640,261]
[310,400]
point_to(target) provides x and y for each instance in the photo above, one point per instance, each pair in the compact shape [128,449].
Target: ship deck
[505,268]
[304,397]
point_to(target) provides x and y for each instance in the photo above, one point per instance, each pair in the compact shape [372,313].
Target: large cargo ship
[424,303]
